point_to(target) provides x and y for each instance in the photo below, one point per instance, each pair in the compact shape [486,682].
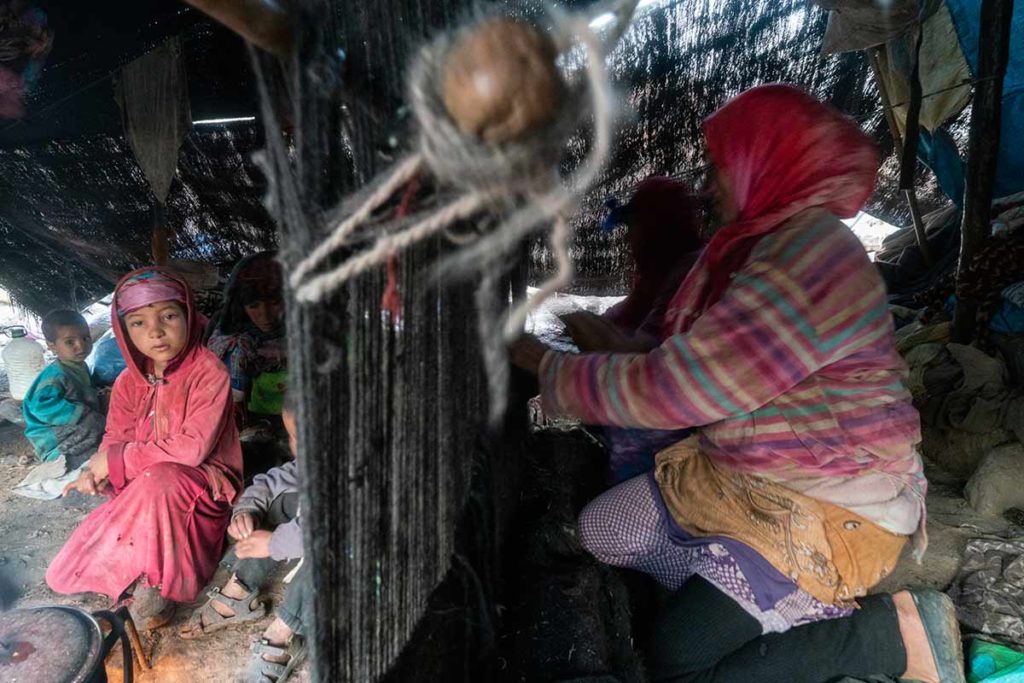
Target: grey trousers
[254,572]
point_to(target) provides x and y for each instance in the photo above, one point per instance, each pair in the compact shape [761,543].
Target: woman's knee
[620,524]
[607,537]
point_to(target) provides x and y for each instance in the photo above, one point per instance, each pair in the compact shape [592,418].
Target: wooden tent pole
[261,22]
[982,152]
[897,142]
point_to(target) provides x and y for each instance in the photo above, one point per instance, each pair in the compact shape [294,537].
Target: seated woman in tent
[803,483]
[170,460]
[663,221]
[249,336]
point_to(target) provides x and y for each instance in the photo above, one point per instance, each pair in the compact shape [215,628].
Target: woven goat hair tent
[406,488]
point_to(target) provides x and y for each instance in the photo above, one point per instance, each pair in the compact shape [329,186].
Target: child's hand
[242,525]
[86,483]
[98,466]
[255,546]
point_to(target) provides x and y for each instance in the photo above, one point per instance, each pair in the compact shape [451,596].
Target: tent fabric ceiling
[679,62]
[74,205]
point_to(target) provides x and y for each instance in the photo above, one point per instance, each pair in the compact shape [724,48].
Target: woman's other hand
[593,334]
[527,352]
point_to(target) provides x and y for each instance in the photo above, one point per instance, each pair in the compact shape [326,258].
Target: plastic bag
[105,362]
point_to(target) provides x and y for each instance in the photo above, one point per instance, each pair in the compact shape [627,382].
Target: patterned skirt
[629,526]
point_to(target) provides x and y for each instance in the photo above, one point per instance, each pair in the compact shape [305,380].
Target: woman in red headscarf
[170,460]
[802,484]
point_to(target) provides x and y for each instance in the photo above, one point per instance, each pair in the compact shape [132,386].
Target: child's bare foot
[231,605]
[931,637]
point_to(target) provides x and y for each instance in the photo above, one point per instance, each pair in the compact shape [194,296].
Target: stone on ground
[998,483]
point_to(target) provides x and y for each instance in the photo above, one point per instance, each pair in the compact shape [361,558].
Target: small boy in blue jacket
[62,409]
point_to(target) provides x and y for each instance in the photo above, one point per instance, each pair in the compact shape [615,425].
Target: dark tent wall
[75,208]
[76,213]
[681,59]
[679,62]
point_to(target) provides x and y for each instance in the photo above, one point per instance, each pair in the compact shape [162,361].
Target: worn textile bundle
[989,590]
[497,152]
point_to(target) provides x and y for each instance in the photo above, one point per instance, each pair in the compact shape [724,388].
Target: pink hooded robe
[175,469]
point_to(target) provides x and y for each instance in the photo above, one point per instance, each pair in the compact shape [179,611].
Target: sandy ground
[31,533]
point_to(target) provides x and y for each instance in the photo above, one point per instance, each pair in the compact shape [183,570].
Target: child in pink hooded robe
[170,459]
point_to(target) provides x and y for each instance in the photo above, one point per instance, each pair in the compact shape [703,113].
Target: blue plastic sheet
[939,153]
[992,663]
[966,18]
[105,361]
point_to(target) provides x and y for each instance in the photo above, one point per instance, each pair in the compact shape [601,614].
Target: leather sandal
[206,620]
[938,615]
[261,670]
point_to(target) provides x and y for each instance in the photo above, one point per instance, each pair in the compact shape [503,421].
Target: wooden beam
[982,152]
[261,22]
[897,142]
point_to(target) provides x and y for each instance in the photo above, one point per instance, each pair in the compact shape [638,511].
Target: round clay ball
[500,81]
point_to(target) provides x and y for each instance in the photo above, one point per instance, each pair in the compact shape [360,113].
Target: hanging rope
[507,168]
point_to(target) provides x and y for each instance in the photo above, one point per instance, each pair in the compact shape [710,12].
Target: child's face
[265,313]
[289,426]
[159,331]
[72,344]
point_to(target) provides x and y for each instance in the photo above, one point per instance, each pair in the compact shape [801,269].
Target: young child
[62,410]
[170,460]
[248,335]
[270,502]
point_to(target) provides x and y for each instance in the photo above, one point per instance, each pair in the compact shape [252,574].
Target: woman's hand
[256,545]
[242,525]
[86,483]
[527,352]
[593,334]
[99,466]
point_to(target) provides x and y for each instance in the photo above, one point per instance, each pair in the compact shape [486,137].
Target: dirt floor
[31,533]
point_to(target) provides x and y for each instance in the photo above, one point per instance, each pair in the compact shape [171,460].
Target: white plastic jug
[23,359]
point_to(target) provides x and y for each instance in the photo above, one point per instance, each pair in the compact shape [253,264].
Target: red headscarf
[783,151]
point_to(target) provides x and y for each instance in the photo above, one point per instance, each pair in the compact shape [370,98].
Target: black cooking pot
[61,645]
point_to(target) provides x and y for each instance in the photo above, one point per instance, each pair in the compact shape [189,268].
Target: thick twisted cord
[319,286]
[340,234]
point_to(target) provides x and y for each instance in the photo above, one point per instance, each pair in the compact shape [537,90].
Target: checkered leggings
[626,527]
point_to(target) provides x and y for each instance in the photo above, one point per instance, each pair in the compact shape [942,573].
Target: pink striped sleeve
[769,332]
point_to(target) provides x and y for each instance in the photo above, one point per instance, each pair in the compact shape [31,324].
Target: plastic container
[23,359]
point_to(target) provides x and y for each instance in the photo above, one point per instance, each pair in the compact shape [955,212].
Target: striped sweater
[793,374]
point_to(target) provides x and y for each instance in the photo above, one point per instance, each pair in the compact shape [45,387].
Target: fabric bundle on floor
[989,590]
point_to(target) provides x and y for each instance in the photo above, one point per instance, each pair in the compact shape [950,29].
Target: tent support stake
[897,142]
[982,153]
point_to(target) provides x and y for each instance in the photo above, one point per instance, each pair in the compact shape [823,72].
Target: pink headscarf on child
[146,288]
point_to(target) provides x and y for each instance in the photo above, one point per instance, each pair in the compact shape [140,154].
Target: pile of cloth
[989,589]
[958,387]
